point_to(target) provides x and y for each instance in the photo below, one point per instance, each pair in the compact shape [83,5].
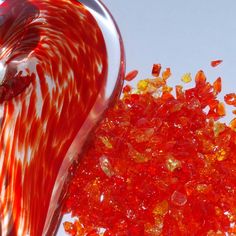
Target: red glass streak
[56,64]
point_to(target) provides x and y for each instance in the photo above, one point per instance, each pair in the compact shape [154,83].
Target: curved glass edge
[114,83]
[114,44]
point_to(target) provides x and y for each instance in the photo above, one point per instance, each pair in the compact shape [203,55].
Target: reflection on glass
[55,82]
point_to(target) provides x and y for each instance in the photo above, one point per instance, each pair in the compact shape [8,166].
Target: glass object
[187,37]
[61,65]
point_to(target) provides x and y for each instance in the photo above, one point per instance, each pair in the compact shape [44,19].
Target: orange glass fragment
[166,74]
[200,78]
[166,89]
[221,109]
[217,85]
[230,99]
[233,124]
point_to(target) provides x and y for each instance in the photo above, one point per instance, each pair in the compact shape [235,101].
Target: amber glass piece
[186,78]
[166,73]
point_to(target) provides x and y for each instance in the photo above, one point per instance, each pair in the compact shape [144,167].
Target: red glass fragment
[126,89]
[216,63]
[156,69]
[131,75]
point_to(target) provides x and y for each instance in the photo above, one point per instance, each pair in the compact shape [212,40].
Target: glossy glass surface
[57,61]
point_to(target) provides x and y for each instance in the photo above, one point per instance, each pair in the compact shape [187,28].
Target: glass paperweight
[61,65]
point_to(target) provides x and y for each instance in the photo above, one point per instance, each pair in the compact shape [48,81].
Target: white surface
[184,35]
